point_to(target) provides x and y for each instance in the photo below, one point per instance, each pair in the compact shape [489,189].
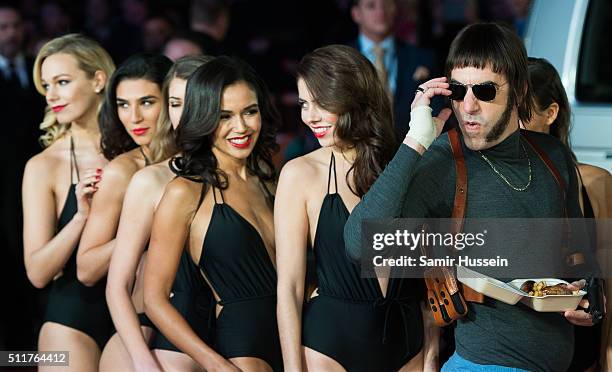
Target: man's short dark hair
[496,46]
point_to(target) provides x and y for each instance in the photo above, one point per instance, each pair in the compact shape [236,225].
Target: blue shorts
[458,364]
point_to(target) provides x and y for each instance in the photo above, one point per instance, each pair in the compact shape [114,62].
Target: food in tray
[541,289]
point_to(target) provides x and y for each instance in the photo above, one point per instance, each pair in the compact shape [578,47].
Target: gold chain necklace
[504,177]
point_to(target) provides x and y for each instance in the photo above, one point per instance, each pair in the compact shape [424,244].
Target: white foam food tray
[510,292]
[549,303]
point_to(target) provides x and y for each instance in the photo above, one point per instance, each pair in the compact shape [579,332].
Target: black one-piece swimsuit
[237,265]
[350,320]
[70,302]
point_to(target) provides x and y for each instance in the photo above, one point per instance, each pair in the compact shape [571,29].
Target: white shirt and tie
[384,57]
[16,70]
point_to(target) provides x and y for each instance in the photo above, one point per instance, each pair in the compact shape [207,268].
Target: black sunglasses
[484,91]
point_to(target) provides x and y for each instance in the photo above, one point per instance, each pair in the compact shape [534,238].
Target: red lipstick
[320,133]
[57,109]
[242,145]
[140,131]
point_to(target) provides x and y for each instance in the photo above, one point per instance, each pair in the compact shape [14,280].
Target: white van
[576,37]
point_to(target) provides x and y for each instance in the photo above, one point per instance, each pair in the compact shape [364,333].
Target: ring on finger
[420,90]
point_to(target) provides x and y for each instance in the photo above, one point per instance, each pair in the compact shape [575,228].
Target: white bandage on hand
[422,127]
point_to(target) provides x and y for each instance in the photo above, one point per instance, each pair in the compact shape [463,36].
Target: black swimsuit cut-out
[70,302]
[238,266]
[350,320]
[193,299]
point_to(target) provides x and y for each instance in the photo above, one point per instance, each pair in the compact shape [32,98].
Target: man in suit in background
[22,111]
[400,66]
[209,21]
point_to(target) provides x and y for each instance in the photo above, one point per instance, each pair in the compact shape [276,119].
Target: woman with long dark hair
[71,72]
[350,324]
[220,208]
[128,121]
[552,115]
[129,348]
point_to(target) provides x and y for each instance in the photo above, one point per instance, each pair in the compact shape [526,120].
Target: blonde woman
[129,348]
[128,122]
[71,72]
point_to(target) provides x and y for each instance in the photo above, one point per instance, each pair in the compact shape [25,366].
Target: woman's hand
[85,189]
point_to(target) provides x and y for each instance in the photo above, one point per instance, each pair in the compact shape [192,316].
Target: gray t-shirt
[413,186]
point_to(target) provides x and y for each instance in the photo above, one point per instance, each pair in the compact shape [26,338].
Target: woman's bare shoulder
[306,167]
[48,159]
[591,173]
[125,164]
[182,190]
[153,177]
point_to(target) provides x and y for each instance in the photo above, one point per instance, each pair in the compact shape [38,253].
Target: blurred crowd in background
[271,35]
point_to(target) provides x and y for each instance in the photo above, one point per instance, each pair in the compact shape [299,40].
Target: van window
[594,80]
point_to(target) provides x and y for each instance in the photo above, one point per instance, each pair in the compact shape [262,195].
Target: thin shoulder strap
[203,194]
[586,200]
[147,162]
[73,161]
[332,165]
[214,189]
[461,184]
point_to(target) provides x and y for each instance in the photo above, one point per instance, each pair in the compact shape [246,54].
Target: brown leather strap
[549,164]
[572,259]
[460,202]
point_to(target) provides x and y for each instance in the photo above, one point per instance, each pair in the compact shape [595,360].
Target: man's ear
[551,113]
[99,81]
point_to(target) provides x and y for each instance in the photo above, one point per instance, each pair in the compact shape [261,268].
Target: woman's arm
[98,239]
[45,252]
[291,231]
[132,237]
[170,231]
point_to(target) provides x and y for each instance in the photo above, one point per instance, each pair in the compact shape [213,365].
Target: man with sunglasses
[487,83]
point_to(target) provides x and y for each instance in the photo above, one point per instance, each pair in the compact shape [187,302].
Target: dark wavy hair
[201,116]
[547,89]
[152,67]
[344,82]
[494,45]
